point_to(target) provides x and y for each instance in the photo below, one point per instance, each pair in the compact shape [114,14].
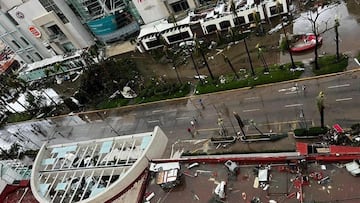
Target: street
[274,107]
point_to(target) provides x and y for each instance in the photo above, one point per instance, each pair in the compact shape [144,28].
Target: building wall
[23,17]
[151,10]
[78,30]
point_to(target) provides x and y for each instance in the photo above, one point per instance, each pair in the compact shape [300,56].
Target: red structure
[307,42]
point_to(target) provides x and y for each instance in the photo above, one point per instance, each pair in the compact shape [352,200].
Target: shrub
[328,64]
[313,131]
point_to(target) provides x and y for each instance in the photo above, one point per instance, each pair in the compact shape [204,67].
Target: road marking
[251,98]
[156,111]
[182,118]
[337,86]
[290,92]
[250,110]
[153,121]
[343,99]
[292,105]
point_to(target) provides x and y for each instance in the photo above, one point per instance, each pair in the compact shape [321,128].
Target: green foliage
[277,74]
[155,92]
[283,45]
[313,131]
[328,64]
[103,79]
[112,103]
[18,117]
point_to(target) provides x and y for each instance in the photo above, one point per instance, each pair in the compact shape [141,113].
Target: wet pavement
[348,13]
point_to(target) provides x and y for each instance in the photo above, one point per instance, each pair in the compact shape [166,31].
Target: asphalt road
[275,107]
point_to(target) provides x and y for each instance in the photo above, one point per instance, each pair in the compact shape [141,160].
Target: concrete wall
[151,10]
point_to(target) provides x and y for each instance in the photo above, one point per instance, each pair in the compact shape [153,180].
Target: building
[52,30]
[218,18]
[94,170]
[109,21]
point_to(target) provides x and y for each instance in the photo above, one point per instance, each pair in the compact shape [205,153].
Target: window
[252,15]
[225,24]
[49,5]
[153,43]
[54,30]
[276,9]
[239,21]
[29,58]
[181,5]
[211,28]
[24,40]
[16,44]
[68,47]
[38,55]
[178,37]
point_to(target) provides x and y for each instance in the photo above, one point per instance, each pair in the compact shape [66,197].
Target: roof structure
[95,170]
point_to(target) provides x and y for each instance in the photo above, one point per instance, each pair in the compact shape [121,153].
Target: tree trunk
[206,64]
[195,66]
[337,43]
[248,54]
[322,117]
[232,67]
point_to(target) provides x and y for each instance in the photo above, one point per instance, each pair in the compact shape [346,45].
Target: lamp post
[177,74]
[116,132]
[248,54]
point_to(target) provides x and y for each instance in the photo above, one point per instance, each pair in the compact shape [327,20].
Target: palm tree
[227,60]
[189,50]
[261,56]
[199,49]
[321,107]
[233,11]
[286,38]
[337,24]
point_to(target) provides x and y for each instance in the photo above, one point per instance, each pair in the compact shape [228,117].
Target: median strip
[343,99]
[292,105]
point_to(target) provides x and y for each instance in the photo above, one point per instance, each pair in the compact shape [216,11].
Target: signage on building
[36,32]
[19,14]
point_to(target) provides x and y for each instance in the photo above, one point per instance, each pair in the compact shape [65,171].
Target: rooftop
[94,170]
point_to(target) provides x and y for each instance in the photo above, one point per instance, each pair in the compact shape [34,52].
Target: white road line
[250,110]
[251,98]
[292,105]
[343,99]
[156,111]
[290,92]
[182,118]
[337,86]
[153,121]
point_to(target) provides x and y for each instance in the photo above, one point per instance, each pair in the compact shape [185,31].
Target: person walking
[191,133]
[201,104]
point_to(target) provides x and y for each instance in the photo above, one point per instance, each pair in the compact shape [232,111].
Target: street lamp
[116,132]
[177,74]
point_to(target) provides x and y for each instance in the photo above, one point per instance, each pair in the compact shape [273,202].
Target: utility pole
[112,129]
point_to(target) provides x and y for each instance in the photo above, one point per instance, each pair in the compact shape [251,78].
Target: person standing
[191,133]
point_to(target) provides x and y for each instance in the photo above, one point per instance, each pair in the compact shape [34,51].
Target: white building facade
[39,29]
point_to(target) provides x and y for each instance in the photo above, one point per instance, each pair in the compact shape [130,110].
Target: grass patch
[112,103]
[18,117]
[328,64]
[149,95]
[277,74]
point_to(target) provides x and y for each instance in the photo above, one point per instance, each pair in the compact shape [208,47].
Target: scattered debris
[193,165]
[232,166]
[150,196]
[220,189]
